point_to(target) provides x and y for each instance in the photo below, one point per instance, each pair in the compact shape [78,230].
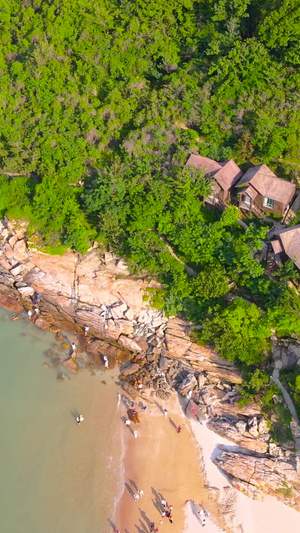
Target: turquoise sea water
[55,476]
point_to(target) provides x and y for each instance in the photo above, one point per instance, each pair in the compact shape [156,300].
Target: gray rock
[263,427]
[164,363]
[241,426]
[132,369]
[253,428]
[188,384]
[109,257]
[130,389]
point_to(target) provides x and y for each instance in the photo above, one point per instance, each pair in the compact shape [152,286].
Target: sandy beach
[242,514]
[178,468]
[165,465]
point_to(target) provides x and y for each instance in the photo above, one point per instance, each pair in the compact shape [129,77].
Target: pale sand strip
[247,516]
[161,462]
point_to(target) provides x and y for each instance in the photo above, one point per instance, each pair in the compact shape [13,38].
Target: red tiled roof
[290,240]
[268,185]
[277,248]
[209,166]
[226,173]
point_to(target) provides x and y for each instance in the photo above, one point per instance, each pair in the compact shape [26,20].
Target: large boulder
[187,385]
[276,477]
[71,366]
[131,369]
[236,433]
[129,344]
[130,390]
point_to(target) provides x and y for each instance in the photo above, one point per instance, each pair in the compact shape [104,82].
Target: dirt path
[189,270]
[295,425]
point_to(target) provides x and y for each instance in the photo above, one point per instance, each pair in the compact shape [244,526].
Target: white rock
[263,428]
[122,265]
[12,241]
[118,311]
[108,257]
[26,291]
[241,426]
[129,314]
[4,233]
[16,270]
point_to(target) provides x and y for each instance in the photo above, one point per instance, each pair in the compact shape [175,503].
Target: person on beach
[86,329]
[163,514]
[179,428]
[152,526]
[127,422]
[79,419]
[135,434]
[144,408]
[136,497]
[105,359]
[203,523]
[29,313]
[165,412]
[141,493]
[170,507]
[73,346]
[164,503]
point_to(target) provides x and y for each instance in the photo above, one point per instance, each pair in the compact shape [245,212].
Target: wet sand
[164,464]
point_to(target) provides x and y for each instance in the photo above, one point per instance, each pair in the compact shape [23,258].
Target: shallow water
[55,476]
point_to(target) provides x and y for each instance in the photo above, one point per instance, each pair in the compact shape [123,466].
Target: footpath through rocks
[95,297]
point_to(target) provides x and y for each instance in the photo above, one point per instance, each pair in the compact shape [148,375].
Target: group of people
[139,494]
[36,310]
[202,518]
[167,511]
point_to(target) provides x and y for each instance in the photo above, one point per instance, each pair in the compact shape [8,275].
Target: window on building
[268,202]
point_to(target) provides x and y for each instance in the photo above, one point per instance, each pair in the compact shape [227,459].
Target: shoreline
[130,466]
[164,464]
[230,510]
[94,291]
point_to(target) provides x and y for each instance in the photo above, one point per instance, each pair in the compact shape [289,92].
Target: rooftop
[226,173]
[268,184]
[290,241]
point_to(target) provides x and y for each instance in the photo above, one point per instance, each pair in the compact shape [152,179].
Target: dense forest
[101,103]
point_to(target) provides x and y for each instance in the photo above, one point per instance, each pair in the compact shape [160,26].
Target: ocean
[55,476]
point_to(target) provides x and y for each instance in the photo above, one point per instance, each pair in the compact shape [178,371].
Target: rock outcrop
[251,474]
[95,296]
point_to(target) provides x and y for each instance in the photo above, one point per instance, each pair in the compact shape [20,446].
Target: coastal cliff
[96,291]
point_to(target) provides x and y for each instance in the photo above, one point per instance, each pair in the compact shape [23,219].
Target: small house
[223,177]
[286,245]
[260,191]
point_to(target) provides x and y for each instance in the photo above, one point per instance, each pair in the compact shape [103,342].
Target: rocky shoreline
[96,291]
